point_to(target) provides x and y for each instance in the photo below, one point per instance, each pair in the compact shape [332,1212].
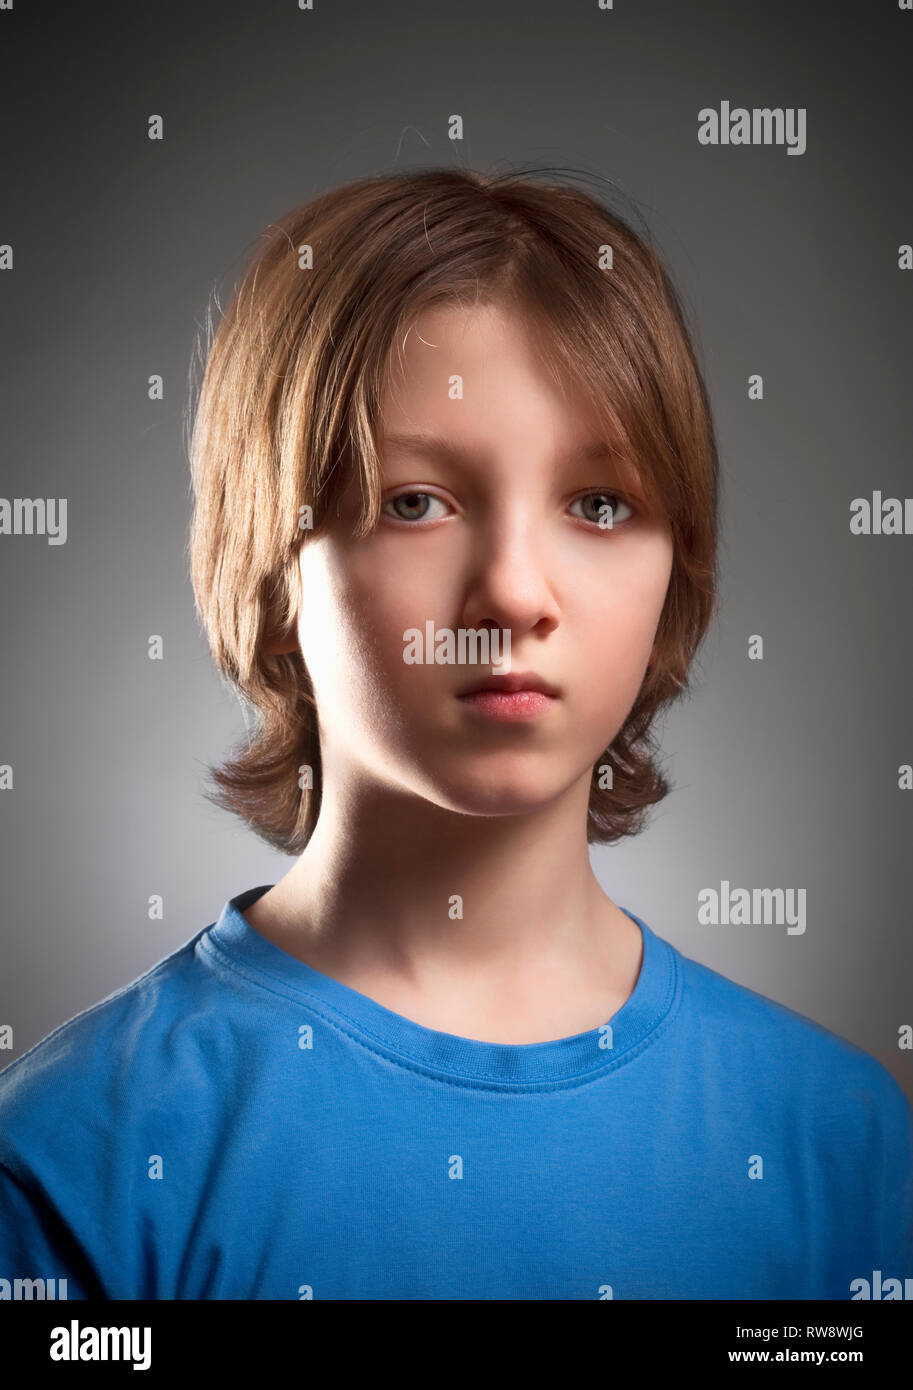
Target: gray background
[785,770]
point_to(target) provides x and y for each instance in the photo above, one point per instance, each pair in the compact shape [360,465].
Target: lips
[512,683]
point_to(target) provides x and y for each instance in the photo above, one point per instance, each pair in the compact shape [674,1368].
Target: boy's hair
[290,402]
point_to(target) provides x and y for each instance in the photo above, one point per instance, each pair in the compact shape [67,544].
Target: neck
[393,887]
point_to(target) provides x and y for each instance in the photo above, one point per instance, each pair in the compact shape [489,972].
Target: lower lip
[511,706]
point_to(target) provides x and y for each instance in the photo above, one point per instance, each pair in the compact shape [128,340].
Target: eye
[600,506]
[414,506]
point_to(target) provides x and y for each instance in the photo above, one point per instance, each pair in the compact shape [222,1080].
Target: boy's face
[505,534]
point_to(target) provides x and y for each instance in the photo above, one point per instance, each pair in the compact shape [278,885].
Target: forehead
[483,377]
[474,338]
[477,367]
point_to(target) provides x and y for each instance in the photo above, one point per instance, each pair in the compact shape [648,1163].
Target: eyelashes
[607,502]
[417,507]
[411,500]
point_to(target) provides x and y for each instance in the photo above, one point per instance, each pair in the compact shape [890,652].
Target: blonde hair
[290,402]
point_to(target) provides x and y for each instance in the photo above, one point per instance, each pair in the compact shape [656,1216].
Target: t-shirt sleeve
[895,1186]
[36,1246]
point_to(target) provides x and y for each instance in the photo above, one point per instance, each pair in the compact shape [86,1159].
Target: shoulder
[799,1062]
[75,1086]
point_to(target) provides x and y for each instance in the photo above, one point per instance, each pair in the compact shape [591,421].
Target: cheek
[618,626]
[326,631]
[629,618]
[351,631]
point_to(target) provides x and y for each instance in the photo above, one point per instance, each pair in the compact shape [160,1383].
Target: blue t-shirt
[235,1124]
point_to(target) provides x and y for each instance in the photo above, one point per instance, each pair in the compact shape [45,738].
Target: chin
[492,796]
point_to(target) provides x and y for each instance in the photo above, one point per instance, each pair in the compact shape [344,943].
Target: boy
[436,1061]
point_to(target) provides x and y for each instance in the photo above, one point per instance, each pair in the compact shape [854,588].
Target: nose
[510,579]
